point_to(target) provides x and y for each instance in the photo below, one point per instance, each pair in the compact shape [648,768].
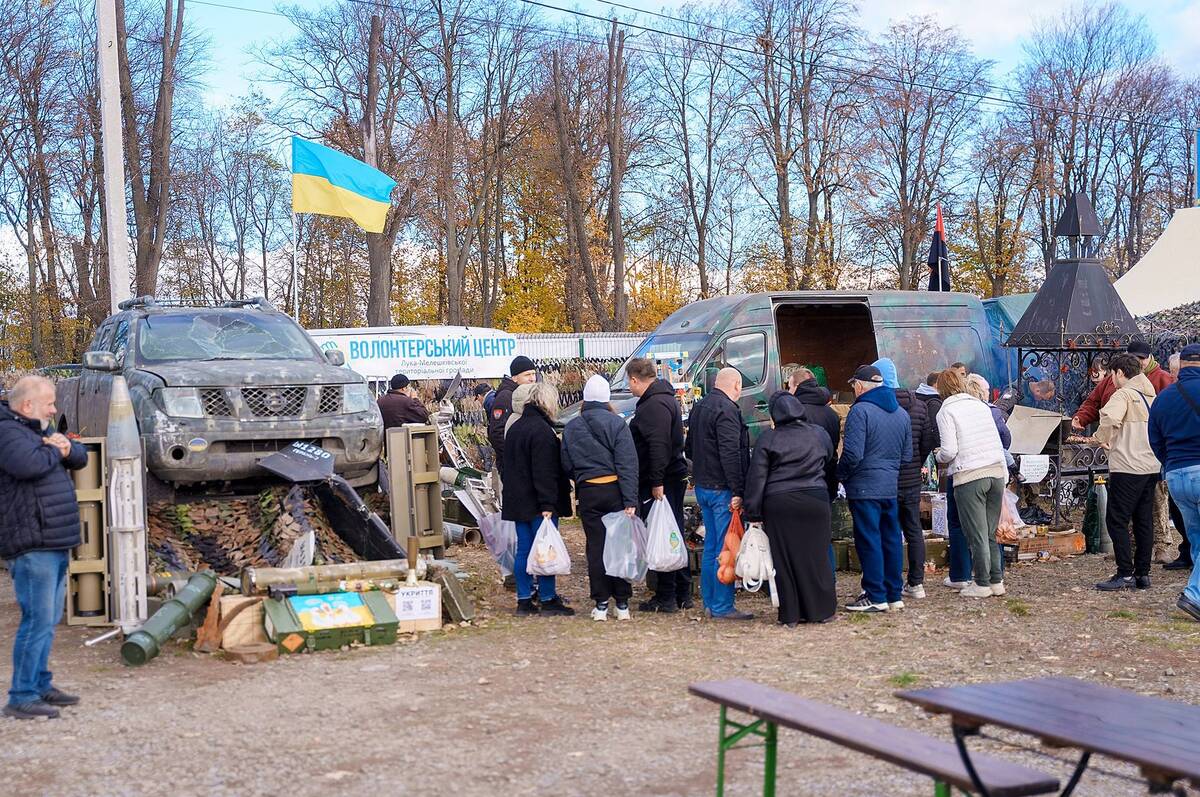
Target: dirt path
[570,707]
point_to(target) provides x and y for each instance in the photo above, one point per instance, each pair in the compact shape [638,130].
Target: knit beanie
[597,389]
[520,365]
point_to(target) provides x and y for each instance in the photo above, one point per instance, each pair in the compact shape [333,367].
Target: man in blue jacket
[38,528]
[1175,438]
[877,439]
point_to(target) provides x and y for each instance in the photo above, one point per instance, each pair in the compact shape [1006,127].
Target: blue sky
[995,27]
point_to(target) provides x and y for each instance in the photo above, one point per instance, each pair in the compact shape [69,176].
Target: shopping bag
[754,563]
[500,537]
[549,556]
[623,557]
[729,551]
[665,551]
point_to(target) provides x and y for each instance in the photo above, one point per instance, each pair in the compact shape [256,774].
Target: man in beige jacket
[1134,473]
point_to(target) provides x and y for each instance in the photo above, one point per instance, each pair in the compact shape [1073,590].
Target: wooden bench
[911,750]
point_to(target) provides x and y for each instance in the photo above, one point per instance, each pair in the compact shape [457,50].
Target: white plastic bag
[665,551]
[624,553]
[754,563]
[500,536]
[549,556]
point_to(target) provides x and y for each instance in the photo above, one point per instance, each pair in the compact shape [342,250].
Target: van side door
[747,351]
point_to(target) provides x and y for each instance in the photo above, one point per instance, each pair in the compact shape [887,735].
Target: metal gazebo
[1075,322]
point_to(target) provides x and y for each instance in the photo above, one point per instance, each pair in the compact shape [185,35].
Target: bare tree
[918,127]
[618,161]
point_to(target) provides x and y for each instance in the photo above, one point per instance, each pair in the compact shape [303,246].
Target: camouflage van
[832,332]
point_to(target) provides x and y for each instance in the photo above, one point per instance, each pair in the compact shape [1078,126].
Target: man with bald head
[39,525]
[718,444]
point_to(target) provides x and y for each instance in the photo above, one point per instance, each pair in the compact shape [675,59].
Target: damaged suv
[216,389]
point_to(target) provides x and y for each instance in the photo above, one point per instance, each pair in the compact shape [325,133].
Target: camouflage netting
[230,534]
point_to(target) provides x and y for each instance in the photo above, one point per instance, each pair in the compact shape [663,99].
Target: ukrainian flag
[328,182]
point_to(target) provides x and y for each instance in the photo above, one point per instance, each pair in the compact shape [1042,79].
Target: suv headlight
[356,397]
[181,402]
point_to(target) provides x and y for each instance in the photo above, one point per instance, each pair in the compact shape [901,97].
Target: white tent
[1169,274]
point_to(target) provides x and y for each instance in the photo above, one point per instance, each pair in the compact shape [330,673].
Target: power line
[858,74]
[871,75]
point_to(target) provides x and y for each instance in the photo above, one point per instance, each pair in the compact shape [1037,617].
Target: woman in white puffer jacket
[974,456]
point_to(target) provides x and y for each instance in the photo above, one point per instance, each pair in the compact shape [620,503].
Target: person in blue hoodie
[877,439]
[1175,438]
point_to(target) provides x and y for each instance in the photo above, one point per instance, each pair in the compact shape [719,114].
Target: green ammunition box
[374,623]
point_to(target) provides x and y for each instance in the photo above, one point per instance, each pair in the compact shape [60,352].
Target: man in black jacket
[718,444]
[38,528]
[803,385]
[657,428]
[924,438]
[524,372]
[399,406]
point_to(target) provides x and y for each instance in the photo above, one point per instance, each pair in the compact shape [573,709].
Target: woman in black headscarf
[792,481]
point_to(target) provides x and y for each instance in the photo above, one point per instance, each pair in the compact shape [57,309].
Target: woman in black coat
[535,488]
[792,481]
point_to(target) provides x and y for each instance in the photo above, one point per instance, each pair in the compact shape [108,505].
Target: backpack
[488,401]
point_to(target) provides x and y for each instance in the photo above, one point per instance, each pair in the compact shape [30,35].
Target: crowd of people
[790,478]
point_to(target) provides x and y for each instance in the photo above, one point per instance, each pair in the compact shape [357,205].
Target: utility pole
[116,223]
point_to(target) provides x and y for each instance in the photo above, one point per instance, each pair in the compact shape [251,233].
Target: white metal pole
[295,271]
[116,223]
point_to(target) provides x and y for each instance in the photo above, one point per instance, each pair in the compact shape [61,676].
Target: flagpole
[295,279]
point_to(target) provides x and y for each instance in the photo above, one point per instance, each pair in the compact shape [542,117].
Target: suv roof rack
[149,303]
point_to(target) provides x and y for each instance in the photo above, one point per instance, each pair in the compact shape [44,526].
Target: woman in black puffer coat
[535,488]
[791,483]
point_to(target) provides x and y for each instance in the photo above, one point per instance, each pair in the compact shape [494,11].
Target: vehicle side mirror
[100,361]
[335,357]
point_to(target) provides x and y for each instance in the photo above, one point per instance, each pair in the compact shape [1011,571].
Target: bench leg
[725,742]
[771,737]
[721,755]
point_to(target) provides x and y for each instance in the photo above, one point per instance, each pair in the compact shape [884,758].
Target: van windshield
[221,336]
[684,347]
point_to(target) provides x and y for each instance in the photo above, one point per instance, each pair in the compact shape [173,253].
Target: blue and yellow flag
[328,182]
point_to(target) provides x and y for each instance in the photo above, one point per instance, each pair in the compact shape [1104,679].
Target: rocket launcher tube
[144,644]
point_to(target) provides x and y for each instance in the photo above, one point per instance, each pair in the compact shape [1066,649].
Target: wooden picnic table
[1160,737]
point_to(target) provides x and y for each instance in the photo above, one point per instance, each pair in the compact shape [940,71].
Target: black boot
[556,608]
[1116,583]
[1179,564]
[526,608]
[1142,582]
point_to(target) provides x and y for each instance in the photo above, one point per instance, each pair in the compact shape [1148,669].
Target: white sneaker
[917,592]
[622,614]
[600,615]
[976,591]
[998,589]
[895,606]
[955,584]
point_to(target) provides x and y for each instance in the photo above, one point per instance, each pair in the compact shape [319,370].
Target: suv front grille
[275,402]
[216,403]
[331,400]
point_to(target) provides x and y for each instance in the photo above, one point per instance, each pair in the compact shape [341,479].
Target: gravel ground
[566,706]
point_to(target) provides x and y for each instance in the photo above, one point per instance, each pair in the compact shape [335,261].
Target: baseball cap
[1139,348]
[482,389]
[867,373]
[1190,353]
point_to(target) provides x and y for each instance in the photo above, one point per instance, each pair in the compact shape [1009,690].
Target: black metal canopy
[1077,306]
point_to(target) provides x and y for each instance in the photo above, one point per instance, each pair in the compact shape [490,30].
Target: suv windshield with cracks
[221,336]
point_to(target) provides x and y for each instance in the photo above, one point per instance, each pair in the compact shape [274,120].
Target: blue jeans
[40,584]
[962,566]
[1184,485]
[714,508]
[526,531]
[880,546]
